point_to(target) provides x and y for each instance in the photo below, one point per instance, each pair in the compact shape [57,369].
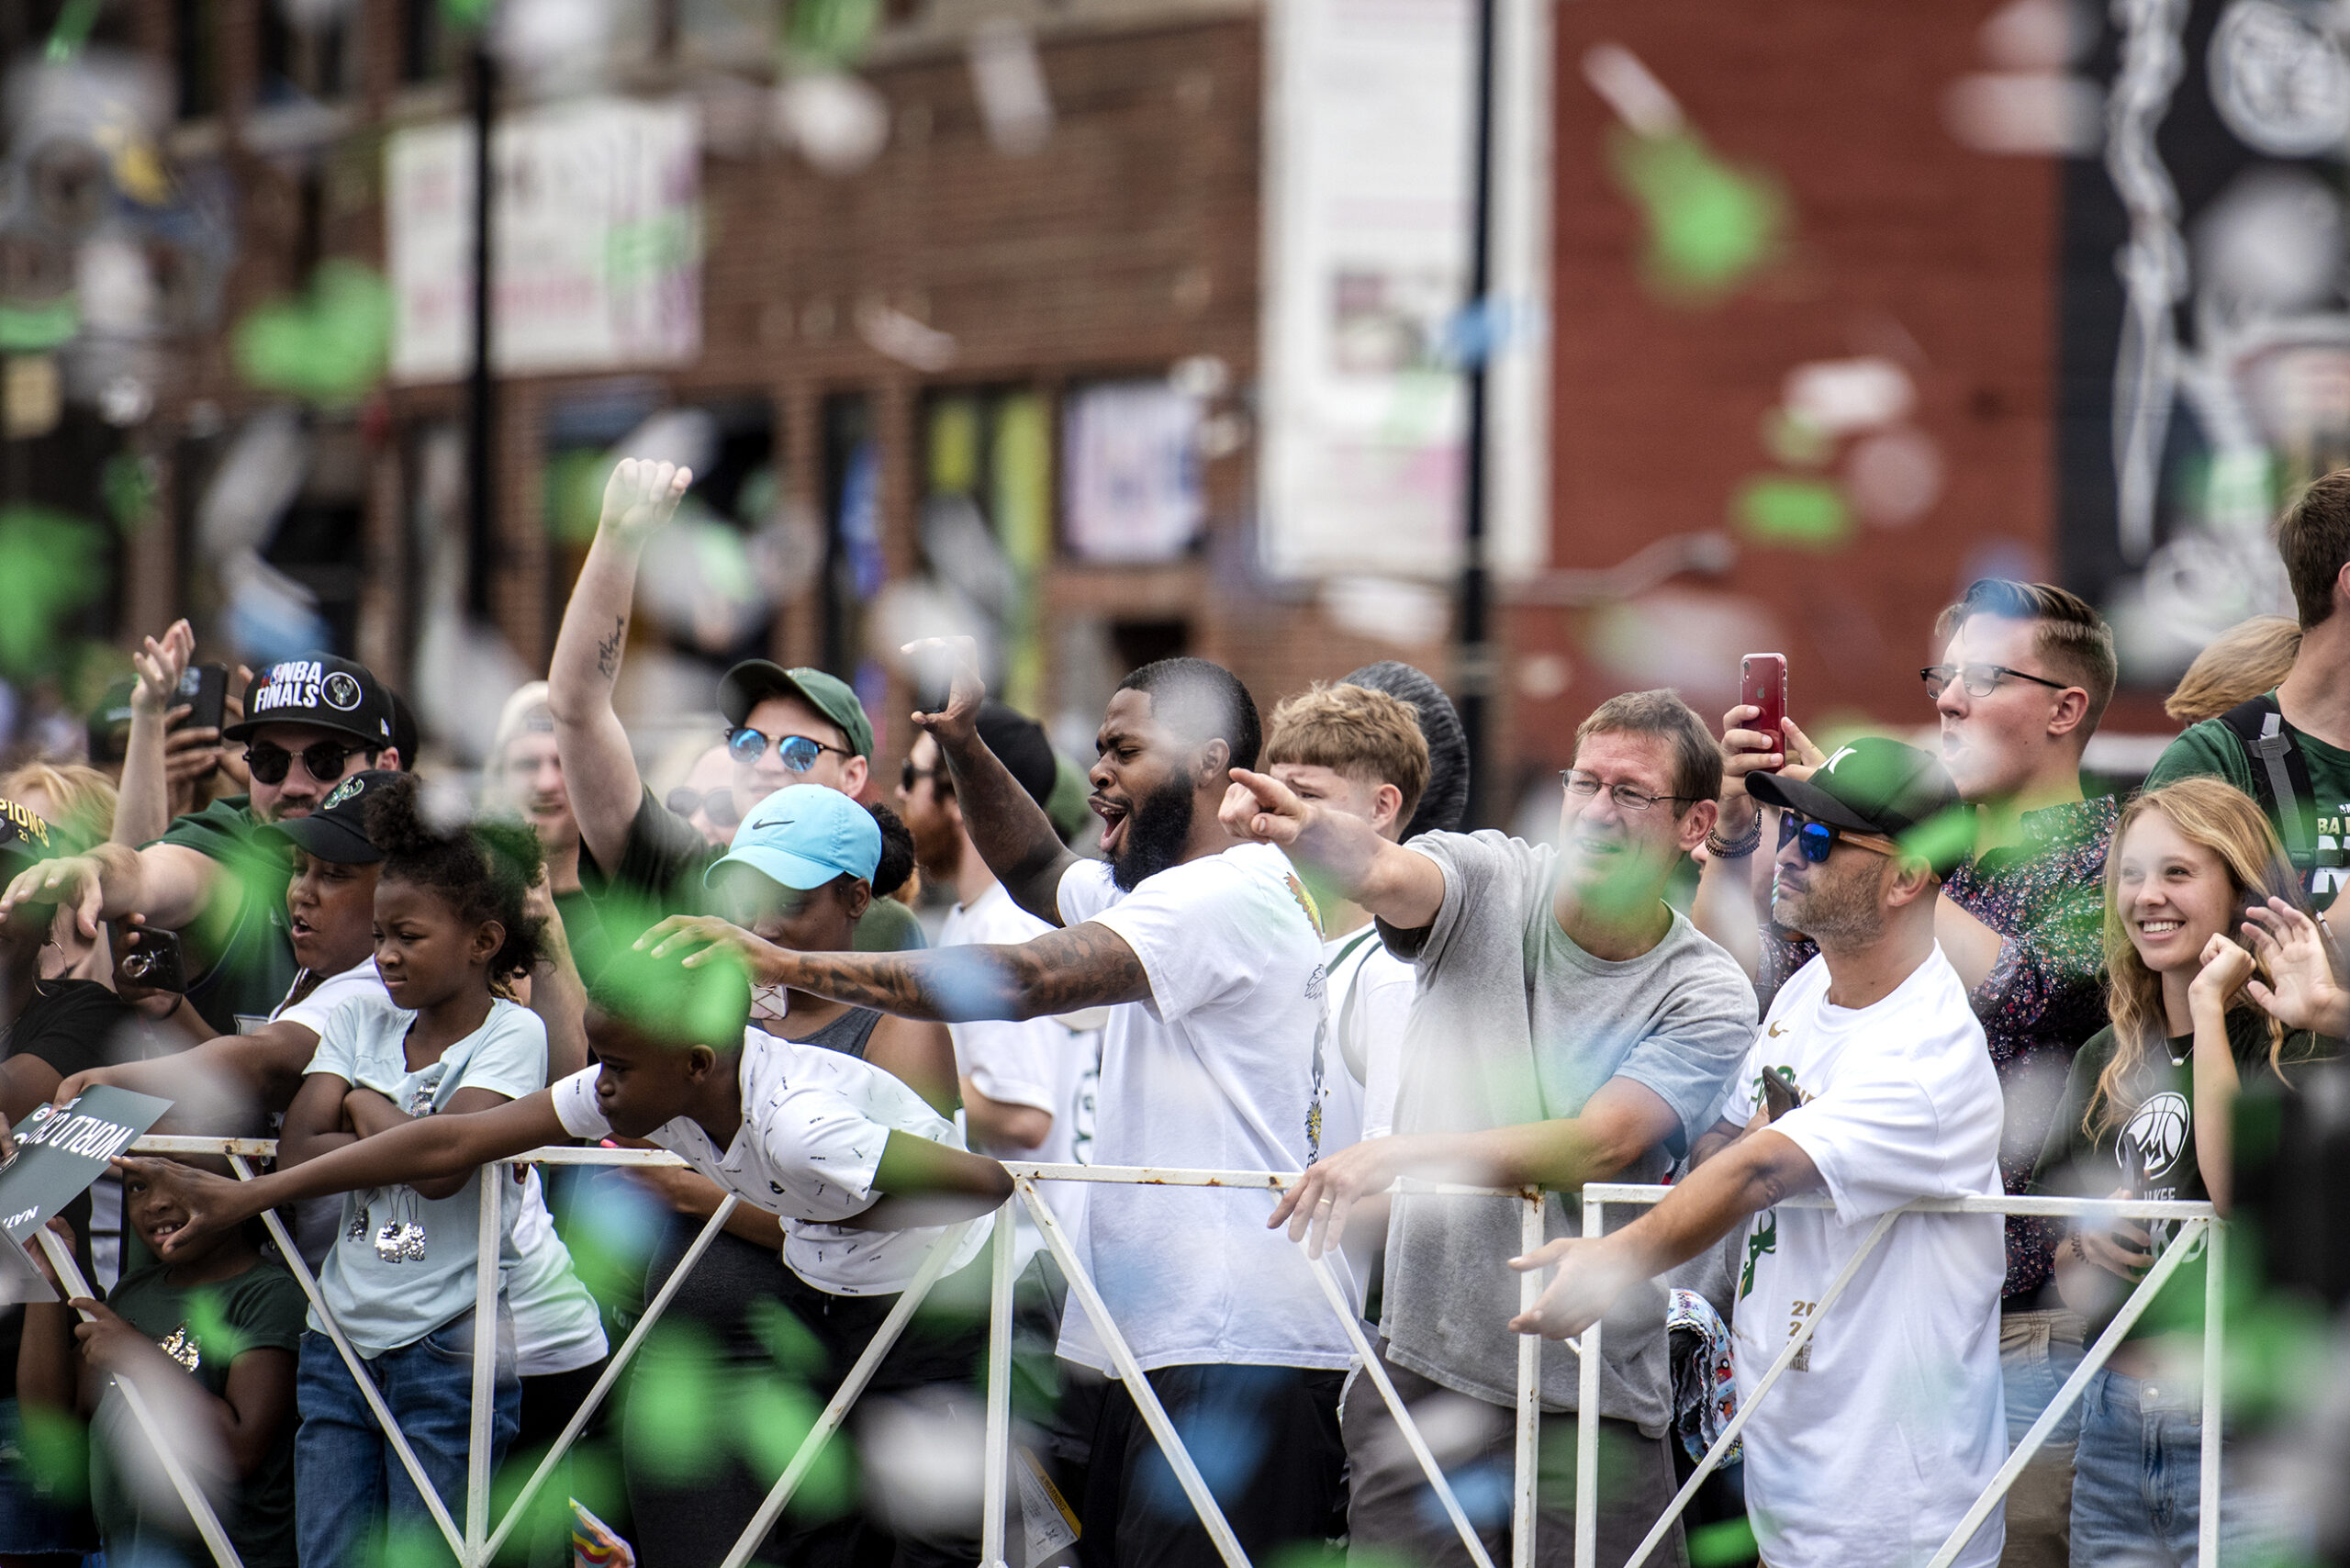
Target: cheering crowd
[1755,968]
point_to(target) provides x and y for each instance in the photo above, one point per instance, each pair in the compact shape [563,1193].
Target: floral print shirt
[2045,993]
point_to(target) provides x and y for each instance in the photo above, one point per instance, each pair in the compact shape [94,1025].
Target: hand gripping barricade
[476,1542]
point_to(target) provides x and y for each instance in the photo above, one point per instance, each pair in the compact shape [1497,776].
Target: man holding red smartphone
[2024,674]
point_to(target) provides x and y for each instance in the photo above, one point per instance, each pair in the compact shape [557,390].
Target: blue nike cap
[804,836]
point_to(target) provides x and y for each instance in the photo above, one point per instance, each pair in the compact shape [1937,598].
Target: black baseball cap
[1875,785]
[320,690]
[740,690]
[337,829]
[1019,743]
[23,837]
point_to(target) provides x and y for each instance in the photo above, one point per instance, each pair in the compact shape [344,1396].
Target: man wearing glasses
[1570,1026]
[795,726]
[2025,674]
[310,723]
[1868,1082]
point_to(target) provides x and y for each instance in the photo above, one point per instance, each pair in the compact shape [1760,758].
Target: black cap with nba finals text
[322,691]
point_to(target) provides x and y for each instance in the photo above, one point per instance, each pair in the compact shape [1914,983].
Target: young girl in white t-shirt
[449,917]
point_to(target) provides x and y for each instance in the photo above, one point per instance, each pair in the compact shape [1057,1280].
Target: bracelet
[1744,846]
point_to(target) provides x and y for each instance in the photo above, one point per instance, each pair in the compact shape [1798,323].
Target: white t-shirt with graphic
[1043,1062]
[815,1124]
[1890,1422]
[1215,1071]
[1370,1001]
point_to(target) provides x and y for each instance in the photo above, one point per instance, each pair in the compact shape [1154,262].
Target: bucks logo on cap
[349,788]
[342,692]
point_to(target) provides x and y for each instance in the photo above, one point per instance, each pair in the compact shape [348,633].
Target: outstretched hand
[1589,1280]
[958,659]
[1318,1203]
[700,939]
[213,1205]
[72,881]
[1260,809]
[2305,988]
[641,495]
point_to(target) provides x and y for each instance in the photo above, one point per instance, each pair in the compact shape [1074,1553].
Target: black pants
[549,1401]
[1266,1440]
[760,1322]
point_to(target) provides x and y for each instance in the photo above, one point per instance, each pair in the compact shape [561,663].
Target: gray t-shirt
[1515,1022]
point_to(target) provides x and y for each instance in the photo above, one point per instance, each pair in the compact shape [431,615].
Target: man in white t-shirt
[1869,1081]
[1209,954]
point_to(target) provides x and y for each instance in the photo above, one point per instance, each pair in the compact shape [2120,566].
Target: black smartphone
[204,688]
[148,957]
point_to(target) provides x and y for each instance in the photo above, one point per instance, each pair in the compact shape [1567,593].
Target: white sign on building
[596,240]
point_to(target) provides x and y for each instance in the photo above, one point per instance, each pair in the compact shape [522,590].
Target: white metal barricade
[476,1542]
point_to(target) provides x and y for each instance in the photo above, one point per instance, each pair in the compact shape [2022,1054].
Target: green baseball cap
[742,689]
[1875,785]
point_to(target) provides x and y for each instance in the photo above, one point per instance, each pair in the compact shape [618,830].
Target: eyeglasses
[1819,839]
[325,759]
[908,773]
[1980,680]
[1584,786]
[797,753]
[718,805]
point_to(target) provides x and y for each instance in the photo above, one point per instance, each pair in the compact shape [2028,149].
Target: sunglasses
[908,773]
[718,805]
[1819,839]
[797,753]
[324,759]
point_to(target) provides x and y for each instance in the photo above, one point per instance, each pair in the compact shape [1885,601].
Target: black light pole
[481,408]
[1476,662]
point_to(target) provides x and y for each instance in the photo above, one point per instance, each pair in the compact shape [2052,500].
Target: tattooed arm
[1088,965]
[598,768]
[1009,830]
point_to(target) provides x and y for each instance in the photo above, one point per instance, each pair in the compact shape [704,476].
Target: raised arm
[1400,885]
[143,807]
[1745,1179]
[598,768]
[429,1146]
[1012,832]
[1088,965]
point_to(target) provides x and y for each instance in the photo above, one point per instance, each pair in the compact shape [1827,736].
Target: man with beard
[1208,953]
[310,723]
[1869,1082]
[1571,1026]
[785,726]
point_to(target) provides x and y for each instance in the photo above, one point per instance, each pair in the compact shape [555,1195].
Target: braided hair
[482,869]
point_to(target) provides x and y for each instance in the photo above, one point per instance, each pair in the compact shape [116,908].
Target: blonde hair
[2225,820]
[1364,735]
[2240,664]
[80,797]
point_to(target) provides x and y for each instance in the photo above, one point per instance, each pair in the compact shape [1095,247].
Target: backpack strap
[2280,777]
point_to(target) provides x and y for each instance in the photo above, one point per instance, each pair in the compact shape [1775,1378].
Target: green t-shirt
[2211,749]
[240,952]
[204,1329]
[2076,1163]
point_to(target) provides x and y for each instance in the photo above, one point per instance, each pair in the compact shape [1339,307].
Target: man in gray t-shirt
[1570,1027]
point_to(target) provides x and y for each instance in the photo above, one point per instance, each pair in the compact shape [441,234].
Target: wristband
[1744,846]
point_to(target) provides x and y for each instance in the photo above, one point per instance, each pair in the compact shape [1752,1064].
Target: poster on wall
[598,242]
[2204,317]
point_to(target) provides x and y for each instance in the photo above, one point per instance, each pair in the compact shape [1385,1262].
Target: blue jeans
[2038,1350]
[347,1479]
[2137,1480]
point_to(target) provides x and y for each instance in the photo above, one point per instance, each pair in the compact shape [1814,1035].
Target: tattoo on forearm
[1085,966]
[608,649]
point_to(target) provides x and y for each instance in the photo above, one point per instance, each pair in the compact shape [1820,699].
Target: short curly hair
[482,869]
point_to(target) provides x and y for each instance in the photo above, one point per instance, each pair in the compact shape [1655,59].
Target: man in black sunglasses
[784,727]
[311,722]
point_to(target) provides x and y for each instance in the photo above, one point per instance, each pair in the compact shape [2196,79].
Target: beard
[938,849]
[1833,909]
[1157,832]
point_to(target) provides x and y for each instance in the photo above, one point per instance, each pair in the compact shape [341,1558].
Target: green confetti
[37,328]
[828,34]
[470,15]
[127,482]
[328,347]
[572,483]
[1779,508]
[674,1413]
[1945,839]
[75,21]
[1710,225]
[219,1340]
[56,1448]
[773,1416]
[794,1346]
[1795,441]
[1722,1543]
[50,566]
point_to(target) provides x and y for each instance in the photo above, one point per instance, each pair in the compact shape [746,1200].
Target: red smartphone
[1762,683]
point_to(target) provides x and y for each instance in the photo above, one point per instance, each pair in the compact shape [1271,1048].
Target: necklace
[2179,1059]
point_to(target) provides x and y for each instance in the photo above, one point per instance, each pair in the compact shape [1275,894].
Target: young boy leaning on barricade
[209,1338]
